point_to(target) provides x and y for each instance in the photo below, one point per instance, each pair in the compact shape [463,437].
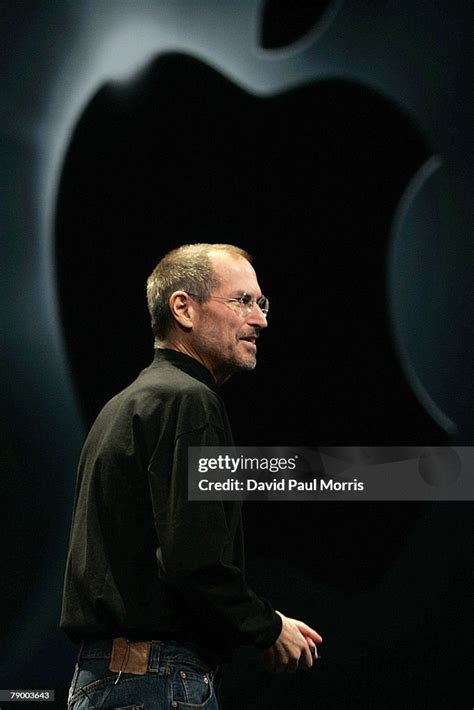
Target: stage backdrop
[332,140]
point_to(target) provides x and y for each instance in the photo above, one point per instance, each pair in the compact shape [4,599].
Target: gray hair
[186,268]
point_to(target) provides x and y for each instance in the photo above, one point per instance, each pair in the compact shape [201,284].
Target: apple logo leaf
[285,21]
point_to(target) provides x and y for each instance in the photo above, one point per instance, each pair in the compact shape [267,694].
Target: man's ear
[182,309]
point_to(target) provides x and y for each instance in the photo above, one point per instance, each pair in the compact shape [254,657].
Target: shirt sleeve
[197,543]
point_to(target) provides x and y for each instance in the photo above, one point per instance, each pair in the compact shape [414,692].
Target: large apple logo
[307,180]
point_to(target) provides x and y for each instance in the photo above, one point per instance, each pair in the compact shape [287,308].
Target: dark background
[331,140]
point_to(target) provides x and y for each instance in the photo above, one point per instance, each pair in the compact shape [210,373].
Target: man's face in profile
[225,334]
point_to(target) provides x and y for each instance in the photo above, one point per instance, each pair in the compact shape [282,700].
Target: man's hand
[293,649]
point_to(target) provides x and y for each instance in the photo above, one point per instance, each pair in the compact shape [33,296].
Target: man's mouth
[250,339]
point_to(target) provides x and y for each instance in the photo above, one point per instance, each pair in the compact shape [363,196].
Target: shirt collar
[186,363]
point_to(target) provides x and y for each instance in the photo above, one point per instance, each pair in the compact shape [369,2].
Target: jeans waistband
[161,653]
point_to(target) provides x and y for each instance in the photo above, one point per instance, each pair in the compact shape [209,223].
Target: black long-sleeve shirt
[144,561]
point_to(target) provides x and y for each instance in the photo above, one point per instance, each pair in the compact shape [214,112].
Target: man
[154,587]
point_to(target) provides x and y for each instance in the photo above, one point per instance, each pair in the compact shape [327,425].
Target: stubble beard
[228,363]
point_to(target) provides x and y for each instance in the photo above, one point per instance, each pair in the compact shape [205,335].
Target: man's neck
[187,349]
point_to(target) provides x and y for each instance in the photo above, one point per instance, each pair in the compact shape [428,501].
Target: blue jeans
[178,676]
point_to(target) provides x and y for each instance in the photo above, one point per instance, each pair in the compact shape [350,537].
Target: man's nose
[256,317]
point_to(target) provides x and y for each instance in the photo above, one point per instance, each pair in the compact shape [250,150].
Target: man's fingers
[306,660]
[279,660]
[308,631]
[295,647]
